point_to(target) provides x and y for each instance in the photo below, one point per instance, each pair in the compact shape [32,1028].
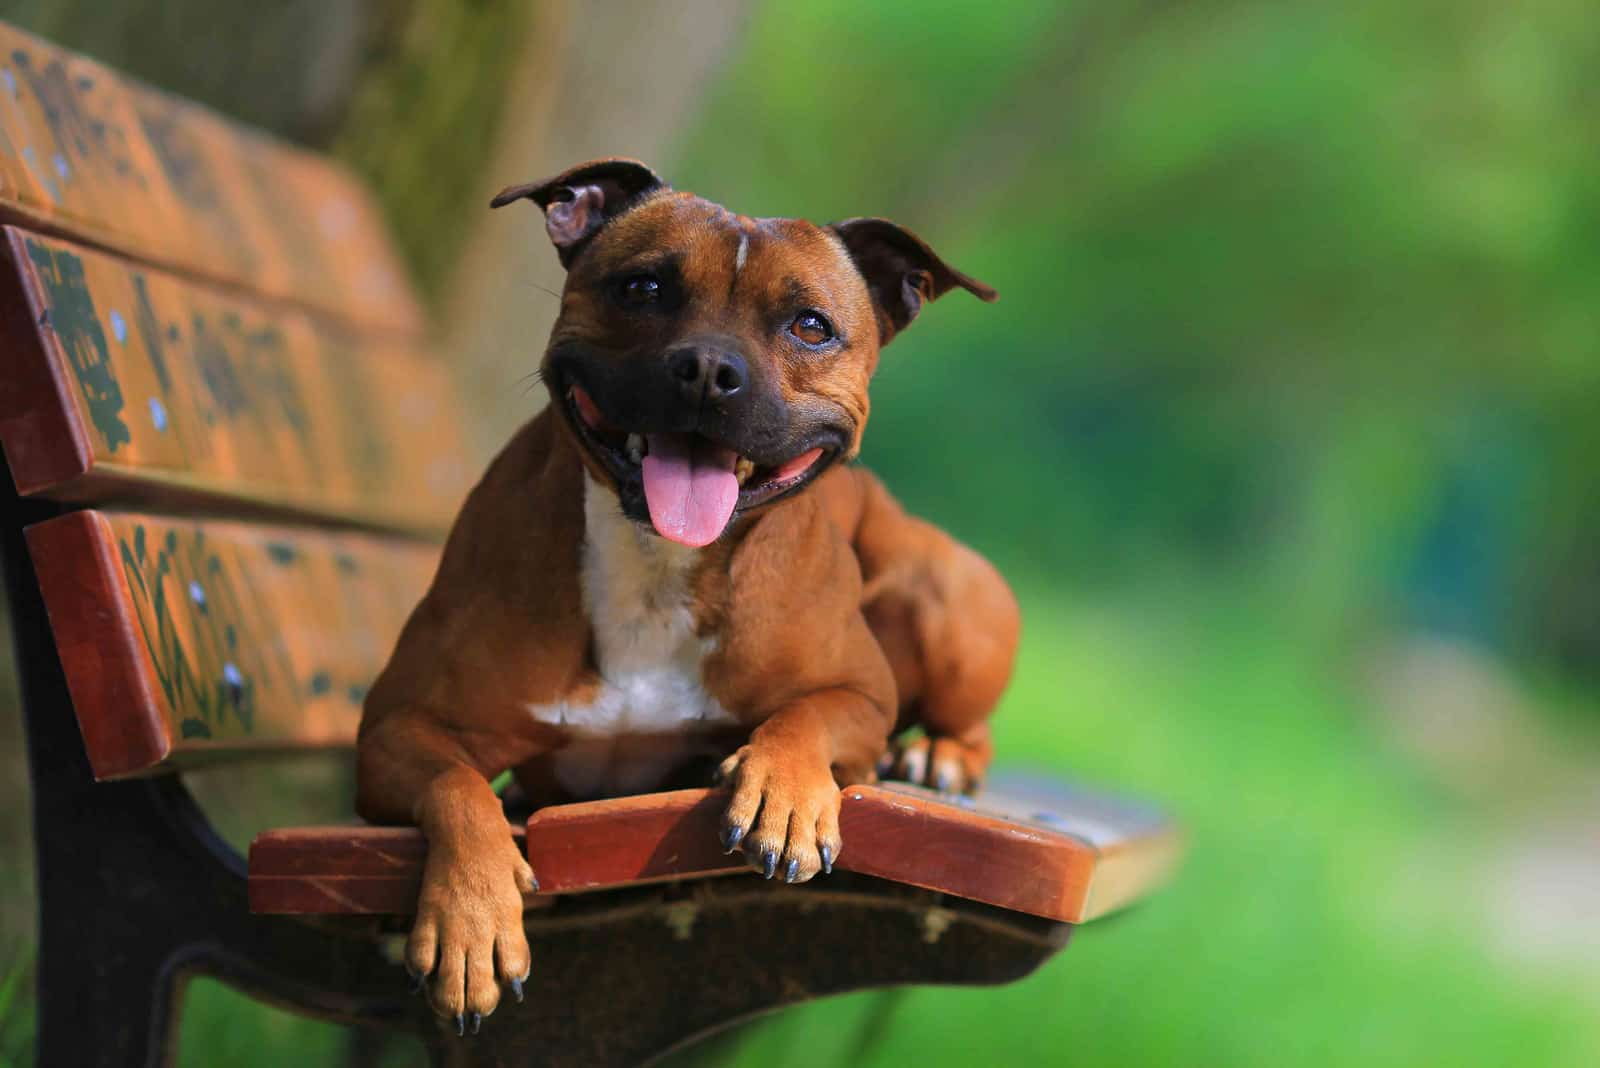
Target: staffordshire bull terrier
[673,566]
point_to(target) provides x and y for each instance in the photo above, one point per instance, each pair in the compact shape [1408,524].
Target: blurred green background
[1285,429]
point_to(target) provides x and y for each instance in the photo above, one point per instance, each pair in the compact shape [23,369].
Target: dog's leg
[785,805]
[468,939]
[948,624]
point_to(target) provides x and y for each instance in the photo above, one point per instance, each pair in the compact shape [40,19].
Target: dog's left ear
[578,202]
[901,272]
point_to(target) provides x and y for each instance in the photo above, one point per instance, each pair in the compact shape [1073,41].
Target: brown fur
[832,617]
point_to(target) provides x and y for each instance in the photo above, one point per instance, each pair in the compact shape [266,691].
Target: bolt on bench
[234,462]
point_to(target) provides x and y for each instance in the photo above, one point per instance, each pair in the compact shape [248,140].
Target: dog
[673,565]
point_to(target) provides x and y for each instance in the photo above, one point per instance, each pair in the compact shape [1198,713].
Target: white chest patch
[637,597]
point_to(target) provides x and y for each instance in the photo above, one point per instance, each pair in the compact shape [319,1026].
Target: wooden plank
[380,872]
[1078,857]
[127,382]
[187,642]
[89,153]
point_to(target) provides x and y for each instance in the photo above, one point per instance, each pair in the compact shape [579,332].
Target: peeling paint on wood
[234,398]
[91,153]
[231,642]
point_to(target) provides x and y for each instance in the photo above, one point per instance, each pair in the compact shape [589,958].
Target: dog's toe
[946,764]
[783,812]
[468,940]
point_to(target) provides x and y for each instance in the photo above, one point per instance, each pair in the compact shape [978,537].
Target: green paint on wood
[72,316]
[205,684]
[144,315]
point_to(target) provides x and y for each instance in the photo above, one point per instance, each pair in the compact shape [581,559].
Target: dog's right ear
[578,202]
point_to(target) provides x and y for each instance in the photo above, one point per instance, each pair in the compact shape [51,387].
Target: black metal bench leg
[104,998]
[101,1009]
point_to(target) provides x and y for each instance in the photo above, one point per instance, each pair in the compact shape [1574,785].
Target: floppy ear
[901,271]
[578,202]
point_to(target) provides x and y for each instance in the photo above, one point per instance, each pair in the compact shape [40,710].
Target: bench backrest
[208,338]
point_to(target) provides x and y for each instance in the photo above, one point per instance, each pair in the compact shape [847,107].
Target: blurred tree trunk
[596,80]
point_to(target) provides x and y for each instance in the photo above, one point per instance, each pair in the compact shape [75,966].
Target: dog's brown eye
[811,327]
[641,289]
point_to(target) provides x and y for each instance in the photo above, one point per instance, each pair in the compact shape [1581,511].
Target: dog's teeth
[635,447]
[744,469]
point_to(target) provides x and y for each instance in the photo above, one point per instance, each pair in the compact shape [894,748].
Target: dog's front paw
[784,812]
[468,938]
[947,764]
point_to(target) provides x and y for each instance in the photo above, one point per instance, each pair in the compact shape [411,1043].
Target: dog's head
[706,363]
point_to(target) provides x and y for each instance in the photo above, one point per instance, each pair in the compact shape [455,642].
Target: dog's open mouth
[692,484]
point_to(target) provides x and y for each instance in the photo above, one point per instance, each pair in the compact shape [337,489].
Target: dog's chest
[638,596]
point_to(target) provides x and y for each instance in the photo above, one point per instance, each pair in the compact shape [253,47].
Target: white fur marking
[744,250]
[637,597]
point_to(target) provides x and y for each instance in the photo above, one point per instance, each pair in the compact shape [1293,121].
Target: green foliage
[1325,914]
[16,1009]
[1233,242]
[1297,343]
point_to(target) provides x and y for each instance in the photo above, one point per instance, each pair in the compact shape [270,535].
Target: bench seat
[1026,845]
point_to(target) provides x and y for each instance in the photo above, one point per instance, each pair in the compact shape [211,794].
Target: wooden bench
[233,460]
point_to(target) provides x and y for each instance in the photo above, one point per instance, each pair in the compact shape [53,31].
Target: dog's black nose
[708,373]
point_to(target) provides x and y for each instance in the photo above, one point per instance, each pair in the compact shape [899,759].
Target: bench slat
[122,381]
[1026,845]
[187,642]
[88,152]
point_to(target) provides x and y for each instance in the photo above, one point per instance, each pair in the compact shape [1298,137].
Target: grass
[1301,929]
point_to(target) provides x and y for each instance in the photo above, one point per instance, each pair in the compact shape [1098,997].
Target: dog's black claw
[827,859]
[943,781]
[792,872]
[461,1026]
[731,837]
[769,863]
[418,982]
[516,990]
[477,1021]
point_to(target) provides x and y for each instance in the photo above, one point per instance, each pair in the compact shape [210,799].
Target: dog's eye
[811,327]
[641,289]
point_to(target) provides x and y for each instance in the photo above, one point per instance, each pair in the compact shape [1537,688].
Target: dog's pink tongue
[690,487]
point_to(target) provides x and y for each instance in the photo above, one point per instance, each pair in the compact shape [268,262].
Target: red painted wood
[1077,860]
[44,440]
[87,600]
[297,621]
[353,870]
[628,840]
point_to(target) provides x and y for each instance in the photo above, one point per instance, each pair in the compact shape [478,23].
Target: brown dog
[639,582]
